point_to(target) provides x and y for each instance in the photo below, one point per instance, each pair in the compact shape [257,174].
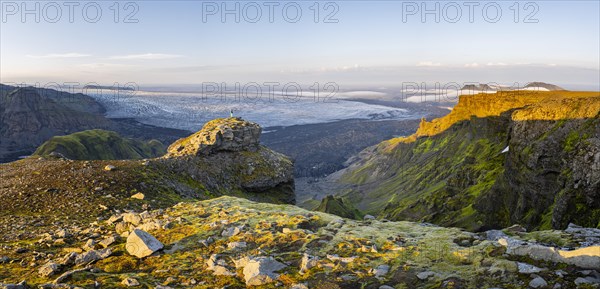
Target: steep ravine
[497,159]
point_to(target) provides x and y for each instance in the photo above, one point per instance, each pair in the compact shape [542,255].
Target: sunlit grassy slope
[453,171]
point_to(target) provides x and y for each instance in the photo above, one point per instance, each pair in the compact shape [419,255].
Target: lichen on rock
[224,134]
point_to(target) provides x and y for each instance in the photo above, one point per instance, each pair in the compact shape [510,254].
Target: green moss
[338,206]
[571,141]
[100,145]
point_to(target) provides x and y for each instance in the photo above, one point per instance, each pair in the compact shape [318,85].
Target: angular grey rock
[68,259]
[261,270]
[89,245]
[368,217]
[587,257]
[525,268]
[141,244]
[380,271]
[132,218]
[538,282]
[236,245]
[425,275]
[586,280]
[516,228]
[218,266]
[48,269]
[21,285]
[108,241]
[231,231]
[92,256]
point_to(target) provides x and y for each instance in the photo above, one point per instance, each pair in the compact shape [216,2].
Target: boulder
[231,231]
[92,256]
[108,241]
[68,259]
[141,244]
[380,270]
[236,245]
[538,282]
[218,266]
[525,268]
[587,257]
[425,275]
[48,269]
[132,218]
[261,270]
[21,285]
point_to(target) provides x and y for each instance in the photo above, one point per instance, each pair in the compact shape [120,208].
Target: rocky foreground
[230,242]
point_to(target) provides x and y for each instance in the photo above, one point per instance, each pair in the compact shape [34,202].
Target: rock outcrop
[219,135]
[228,149]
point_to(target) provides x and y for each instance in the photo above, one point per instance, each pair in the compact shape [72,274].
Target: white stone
[525,268]
[141,244]
[261,270]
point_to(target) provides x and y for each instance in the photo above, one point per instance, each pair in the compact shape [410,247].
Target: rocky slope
[497,159]
[99,145]
[235,243]
[43,190]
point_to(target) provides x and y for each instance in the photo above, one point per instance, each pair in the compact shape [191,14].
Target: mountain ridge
[449,171]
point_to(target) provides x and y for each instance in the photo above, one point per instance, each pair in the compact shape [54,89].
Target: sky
[353,43]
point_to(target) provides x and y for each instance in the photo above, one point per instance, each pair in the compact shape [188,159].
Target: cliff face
[496,159]
[28,119]
[30,116]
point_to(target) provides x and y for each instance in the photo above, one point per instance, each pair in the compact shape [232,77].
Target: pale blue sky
[370,45]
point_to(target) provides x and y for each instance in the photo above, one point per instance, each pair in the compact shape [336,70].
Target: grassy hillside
[453,171]
[100,145]
[338,206]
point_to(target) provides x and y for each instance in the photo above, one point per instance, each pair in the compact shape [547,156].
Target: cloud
[146,56]
[60,55]
[496,64]
[104,65]
[474,64]
[428,63]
